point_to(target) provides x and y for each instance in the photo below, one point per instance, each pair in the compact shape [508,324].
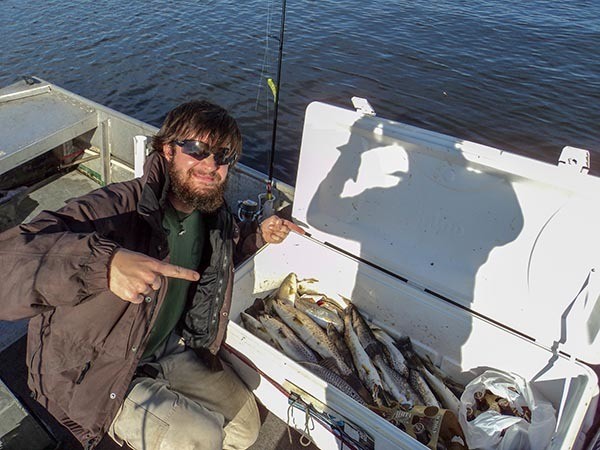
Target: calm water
[521,76]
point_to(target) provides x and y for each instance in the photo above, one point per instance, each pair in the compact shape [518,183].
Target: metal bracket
[363,106]
[105,151]
[576,159]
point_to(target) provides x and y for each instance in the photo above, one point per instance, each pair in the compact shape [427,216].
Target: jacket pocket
[58,355]
[60,385]
[85,369]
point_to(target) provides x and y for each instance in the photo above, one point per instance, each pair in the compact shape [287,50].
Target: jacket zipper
[218,304]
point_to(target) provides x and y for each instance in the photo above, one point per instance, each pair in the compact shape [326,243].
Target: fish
[309,286]
[395,384]
[416,379]
[288,289]
[456,388]
[316,298]
[394,357]
[343,302]
[366,370]
[436,385]
[331,305]
[290,344]
[367,339]
[336,380]
[338,341]
[312,334]
[268,303]
[443,393]
[257,329]
[413,360]
[418,383]
[320,315]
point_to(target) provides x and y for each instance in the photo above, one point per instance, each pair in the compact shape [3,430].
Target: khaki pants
[187,406]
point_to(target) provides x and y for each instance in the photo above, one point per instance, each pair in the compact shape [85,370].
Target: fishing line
[266,64]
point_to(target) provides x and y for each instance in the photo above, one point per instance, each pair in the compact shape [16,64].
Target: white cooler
[484,258]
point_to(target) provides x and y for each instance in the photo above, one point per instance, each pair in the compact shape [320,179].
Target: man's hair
[198,118]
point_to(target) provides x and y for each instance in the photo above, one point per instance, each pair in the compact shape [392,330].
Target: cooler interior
[460,343]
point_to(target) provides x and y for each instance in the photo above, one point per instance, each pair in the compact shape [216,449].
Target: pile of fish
[332,339]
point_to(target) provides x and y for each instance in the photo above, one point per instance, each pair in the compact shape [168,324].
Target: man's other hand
[132,276]
[275,229]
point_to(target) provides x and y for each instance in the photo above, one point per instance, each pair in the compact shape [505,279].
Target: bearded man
[128,289]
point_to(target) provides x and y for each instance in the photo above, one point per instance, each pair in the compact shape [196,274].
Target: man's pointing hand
[132,275]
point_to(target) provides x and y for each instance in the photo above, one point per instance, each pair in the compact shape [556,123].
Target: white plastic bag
[493,430]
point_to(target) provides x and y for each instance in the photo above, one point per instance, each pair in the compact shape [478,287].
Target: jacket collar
[155,185]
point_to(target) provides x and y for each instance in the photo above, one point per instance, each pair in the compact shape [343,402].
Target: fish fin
[308,280]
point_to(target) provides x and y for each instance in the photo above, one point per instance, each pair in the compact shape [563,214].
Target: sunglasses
[201,150]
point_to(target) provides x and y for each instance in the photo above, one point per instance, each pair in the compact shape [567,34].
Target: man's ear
[168,151]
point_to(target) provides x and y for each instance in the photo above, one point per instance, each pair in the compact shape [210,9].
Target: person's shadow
[439,250]
[411,204]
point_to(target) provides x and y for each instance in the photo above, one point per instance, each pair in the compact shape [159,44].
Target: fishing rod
[249,209]
[276,93]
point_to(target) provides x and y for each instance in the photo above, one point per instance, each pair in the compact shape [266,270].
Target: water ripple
[522,76]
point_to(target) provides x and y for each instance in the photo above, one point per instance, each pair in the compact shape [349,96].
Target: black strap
[147,371]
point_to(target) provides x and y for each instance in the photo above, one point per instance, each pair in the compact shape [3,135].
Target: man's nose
[209,162]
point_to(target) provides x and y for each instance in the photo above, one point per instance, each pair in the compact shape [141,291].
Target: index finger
[293,227]
[173,271]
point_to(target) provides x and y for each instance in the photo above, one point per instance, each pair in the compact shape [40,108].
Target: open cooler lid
[510,238]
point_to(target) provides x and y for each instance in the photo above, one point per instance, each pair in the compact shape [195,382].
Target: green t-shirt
[186,239]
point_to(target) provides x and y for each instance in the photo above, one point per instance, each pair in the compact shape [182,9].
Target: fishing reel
[250,210]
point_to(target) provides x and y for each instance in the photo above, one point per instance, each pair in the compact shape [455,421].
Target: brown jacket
[84,342]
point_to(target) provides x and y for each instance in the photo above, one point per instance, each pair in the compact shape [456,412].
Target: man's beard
[206,200]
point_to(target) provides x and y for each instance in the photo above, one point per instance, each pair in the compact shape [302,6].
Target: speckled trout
[319,314]
[290,344]
[366,370]
[312,334]
[257,329]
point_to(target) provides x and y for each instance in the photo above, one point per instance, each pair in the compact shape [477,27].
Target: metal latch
[576,159]
[363,106]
